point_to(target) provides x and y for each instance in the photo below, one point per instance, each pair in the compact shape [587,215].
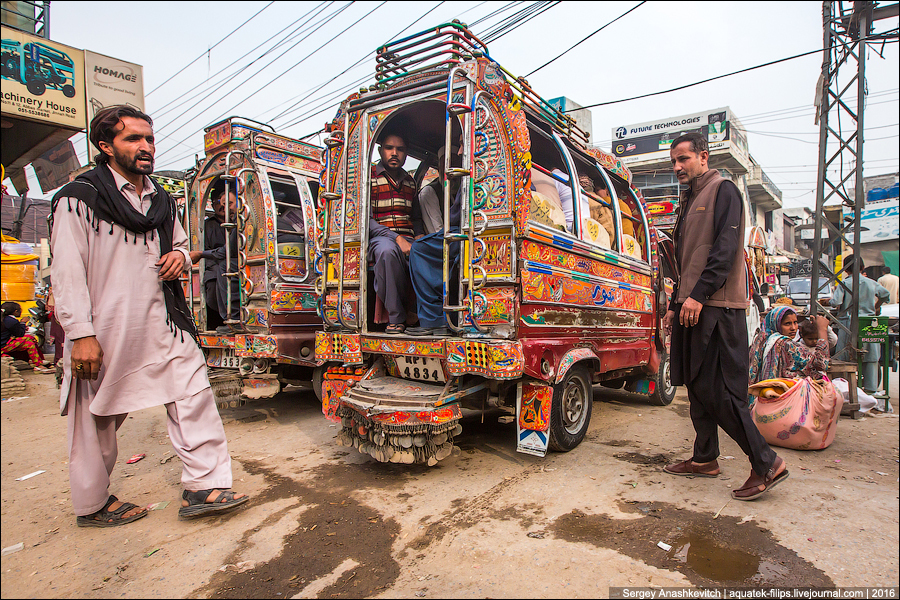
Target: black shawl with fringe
[96,194]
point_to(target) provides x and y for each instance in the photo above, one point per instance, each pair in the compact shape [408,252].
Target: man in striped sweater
[394,222]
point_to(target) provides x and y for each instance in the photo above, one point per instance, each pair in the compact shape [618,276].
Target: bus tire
[317,378]
[664,391]
[570,413]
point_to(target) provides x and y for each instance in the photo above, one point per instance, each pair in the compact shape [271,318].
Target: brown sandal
[395,329]
[750,490]
[689,469]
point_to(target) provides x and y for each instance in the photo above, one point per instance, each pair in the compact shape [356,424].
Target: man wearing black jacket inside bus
[707,318]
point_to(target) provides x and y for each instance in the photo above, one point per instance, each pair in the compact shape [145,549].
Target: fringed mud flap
[226,386]
[398,421]
[641,386]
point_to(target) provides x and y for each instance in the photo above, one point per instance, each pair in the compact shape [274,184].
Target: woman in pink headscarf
[774,354]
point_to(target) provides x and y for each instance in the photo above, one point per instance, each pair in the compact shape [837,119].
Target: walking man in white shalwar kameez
[118,250]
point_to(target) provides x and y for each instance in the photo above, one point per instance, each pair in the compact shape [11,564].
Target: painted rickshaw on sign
[269,338]
[539,307]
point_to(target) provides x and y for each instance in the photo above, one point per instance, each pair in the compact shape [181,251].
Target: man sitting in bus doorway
[426,262]
[392,228]
[215,283]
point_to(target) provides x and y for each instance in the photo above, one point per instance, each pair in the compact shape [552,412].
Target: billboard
[112,81]
[880,221]
[652,140]
[42,80]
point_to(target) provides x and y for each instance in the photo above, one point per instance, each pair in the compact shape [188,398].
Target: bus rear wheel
[664,391]
[570,413]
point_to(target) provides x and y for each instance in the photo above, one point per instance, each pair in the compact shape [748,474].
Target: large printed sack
[544,210]
[803,418]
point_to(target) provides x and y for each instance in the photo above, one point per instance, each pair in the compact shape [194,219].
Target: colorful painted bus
[539,308]
[270,339]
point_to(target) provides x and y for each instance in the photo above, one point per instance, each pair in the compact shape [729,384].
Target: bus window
[552,191]
[634,234]
[290,232]
[598,219]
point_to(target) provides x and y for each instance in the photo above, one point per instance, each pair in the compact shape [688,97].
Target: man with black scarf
[118,250]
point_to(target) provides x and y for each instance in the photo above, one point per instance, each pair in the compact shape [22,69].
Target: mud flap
[533,402]
[335,383]
[226,388]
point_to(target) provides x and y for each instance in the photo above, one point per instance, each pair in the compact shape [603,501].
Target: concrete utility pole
[848,28]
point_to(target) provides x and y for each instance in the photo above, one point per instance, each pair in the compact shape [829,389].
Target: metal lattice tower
[841,102]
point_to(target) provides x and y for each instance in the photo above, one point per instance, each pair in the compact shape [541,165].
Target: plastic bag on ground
[866,402]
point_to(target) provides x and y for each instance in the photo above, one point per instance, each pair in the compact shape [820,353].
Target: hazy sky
[660,45]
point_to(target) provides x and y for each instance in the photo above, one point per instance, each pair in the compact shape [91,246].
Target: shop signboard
[880,221]
[112,81]
[652,140]
[43,80]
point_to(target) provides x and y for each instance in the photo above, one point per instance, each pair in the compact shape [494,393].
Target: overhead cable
[186,95]
[210,48]
[519,19]
[354,65]
[340,94]
[299,30]
[224,113]
[572,47]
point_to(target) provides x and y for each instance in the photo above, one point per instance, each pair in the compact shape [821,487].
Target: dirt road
[325,522]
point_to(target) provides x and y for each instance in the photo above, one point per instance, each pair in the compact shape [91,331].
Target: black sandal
[395,329]
[110,518]
[198,506]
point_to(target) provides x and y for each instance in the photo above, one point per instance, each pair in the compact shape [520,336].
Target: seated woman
[774,354]
[16,343]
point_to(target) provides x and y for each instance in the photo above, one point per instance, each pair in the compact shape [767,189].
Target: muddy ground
[328,522]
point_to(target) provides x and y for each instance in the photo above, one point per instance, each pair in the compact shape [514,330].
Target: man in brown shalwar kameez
[709,348]
[118,250]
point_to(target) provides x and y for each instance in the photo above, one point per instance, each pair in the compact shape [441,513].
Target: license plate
[224,358]
[420,368]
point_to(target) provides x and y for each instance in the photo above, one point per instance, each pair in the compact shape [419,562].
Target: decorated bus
[539,306]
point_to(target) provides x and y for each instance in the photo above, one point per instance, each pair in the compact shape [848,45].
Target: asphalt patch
[709,552]
[333,529]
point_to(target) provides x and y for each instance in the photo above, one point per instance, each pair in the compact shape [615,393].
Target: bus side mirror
[764,289]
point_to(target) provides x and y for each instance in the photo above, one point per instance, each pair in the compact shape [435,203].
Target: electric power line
[299,30]
[280,75]
[572,47]
[354,65]
[188,98]
[210,48]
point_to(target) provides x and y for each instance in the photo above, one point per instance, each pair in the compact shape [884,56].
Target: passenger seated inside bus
[431,196]
[591,230]
[551,199]
[216,286]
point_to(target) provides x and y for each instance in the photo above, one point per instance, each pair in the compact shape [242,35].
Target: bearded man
[118,251]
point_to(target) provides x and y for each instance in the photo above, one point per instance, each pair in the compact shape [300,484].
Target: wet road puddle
[712,561]
[707,552]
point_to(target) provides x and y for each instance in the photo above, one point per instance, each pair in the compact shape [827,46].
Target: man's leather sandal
[689,469]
